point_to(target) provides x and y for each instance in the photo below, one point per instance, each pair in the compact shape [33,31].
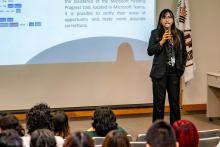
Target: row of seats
[207,138]
[209,133]
[209,142]
[99,140]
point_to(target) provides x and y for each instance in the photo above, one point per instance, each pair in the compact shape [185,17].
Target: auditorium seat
[98,140]
[141,137]
[138,144]
[209,133]
[129,137]
[209,142]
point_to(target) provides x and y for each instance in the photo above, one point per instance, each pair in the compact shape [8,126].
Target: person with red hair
[186,133]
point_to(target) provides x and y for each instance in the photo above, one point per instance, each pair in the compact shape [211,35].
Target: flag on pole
[183,23]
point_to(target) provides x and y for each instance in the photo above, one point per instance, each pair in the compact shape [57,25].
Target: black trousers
[171,84]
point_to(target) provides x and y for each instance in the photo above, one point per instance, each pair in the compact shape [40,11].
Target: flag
[183,23]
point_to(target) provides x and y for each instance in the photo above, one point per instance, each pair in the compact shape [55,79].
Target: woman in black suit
[168,47]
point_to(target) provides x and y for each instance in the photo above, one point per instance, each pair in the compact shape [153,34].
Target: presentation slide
[72,31]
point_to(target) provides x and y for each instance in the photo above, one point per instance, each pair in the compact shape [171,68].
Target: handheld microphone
[170,40]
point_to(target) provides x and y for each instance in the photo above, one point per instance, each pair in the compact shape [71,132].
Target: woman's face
[167,20]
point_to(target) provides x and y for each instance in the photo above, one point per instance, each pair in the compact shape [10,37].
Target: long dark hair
[160,27]
[61,124]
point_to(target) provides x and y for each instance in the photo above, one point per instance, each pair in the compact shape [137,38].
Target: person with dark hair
[78,139]
[39,117]
[168,47]
[42,138]
[186,133]
[10,138]
[9,121]
[116,139]
[61,124]
[161,134]
[104,120]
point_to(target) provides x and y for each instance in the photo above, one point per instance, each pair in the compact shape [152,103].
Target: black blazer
[158,69]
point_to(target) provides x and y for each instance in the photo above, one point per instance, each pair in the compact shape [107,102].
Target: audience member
[9,121]
[116,139]
[79,139]
[161,134]
[10,138]
[39,117]
[42,138]
[104,120]
[186,133]
[61,124]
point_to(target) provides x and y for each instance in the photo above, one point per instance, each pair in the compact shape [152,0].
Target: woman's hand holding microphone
[166,36]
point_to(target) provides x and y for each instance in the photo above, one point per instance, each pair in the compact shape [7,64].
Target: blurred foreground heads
[161,134]
[79,139]
[116,139]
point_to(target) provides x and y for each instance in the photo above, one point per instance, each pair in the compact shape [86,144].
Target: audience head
[116,139]
[39,117]
[186,133]
[79,139]
[9,121]
[42,138]
[161,134]
[104,120]
[61,124]
[10,138]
